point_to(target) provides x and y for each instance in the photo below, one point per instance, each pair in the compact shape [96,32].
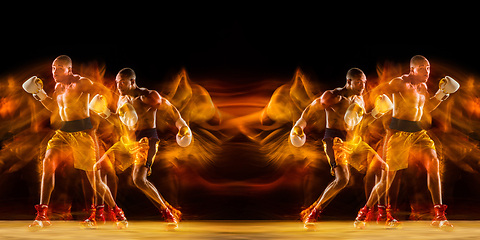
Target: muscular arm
[184,136]
[94,88]
[311,109]
[432,103]
[329,98]
[50,104]
[155,100]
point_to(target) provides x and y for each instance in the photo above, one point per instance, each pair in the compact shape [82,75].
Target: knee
[433,165]
[48,165]
[100,185]
[341,182]
[50,160]
[140,183]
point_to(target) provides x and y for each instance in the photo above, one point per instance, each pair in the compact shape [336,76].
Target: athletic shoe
[120,219]
[392,222]
[310,219]
[100,214]
[440,220]
[41,220]
[90,222]
[364,215]
[172,221]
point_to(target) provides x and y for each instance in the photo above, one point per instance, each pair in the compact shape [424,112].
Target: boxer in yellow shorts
[75,136]
[139,152]
[342,152]
[407,137]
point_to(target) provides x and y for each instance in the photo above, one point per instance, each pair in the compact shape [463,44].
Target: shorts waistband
[333,133]
[76,125]
[149,133]
[405,125]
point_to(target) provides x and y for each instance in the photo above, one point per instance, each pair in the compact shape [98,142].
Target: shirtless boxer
[137,109]
[339,130]
[405,136]
[75,138]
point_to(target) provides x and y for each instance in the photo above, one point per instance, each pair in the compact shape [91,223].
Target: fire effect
[240,147]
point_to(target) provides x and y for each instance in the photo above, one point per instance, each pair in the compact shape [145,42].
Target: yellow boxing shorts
[121,149]
[400,144]
[361,152]
[355,153]
[80,143]
[128,152]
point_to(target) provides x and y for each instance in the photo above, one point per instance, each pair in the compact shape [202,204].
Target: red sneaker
[120,219]
[100,214]
[392,222]
[170,218]
[381,214]
[310,219]
[90,222]
[440,220]
[41,220]
[364,215]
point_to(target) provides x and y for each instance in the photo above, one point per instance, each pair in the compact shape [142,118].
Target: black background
[236,51]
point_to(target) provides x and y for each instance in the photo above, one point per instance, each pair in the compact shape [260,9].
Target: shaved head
[127,73]
[356,80]
[419,68]
[63,60]
[354,73]
[125,81]
[62,68]
[418,60]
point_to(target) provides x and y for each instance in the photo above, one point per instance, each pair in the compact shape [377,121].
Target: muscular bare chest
[335,114]
[412,95]
[145,112]
[409,102]
[72,102]
[345,102]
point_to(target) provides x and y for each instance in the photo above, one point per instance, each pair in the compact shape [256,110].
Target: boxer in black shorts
[137,109]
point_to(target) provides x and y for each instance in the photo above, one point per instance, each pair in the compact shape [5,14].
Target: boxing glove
[446,86]
[34,85]
[128,115]
[297,136]
[184,135]
[99,106]
[382,106]
[354,115]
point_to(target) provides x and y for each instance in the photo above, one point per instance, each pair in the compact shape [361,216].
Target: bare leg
[434,185]
[381,187]
[379,190]
[50,162]
[432,165]
[48,176]
[375,176]
[139,176]
[100,187]
[342,175]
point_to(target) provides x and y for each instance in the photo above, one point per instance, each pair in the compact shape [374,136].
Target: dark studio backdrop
[233,53]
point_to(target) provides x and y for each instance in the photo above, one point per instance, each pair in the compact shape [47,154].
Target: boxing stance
[137,109]
[339,129]
[405,136]
[75,136]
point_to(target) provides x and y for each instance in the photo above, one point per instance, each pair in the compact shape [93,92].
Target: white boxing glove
[354,115]
[34,85]
[99,105]
[297,136]
[446,86]
[128,115]
[184,135]
[382,106]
